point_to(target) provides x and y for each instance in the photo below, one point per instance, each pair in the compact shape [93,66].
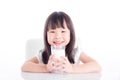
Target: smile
[57,43]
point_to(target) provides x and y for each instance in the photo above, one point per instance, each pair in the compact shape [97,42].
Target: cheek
[49,39]
[67,38]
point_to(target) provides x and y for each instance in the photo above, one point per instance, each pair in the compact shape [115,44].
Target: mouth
[58,43]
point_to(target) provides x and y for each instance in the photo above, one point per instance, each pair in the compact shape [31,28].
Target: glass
[58,51]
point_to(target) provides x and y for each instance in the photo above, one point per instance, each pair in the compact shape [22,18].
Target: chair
[33,46]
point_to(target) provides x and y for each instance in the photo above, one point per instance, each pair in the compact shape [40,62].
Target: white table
[11,70]
[60,76]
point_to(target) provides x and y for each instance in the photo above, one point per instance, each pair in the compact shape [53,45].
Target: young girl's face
[58,36]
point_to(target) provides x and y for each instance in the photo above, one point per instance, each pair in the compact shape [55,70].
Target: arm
[32,65]
[89,65]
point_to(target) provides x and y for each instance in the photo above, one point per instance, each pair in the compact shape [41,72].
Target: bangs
[57,21]
[54,25]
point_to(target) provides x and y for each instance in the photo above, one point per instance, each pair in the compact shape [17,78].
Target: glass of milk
[58,51]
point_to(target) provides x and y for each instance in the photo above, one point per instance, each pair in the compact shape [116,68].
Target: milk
[58,51]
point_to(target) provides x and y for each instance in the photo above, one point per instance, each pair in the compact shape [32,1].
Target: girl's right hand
[51,63]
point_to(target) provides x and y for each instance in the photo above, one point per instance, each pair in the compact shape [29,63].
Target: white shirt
[77,52]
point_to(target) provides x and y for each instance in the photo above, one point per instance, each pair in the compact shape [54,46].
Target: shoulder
[39,55]
[77,50]
[77,53]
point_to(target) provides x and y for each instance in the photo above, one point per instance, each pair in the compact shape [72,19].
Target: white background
[96,22]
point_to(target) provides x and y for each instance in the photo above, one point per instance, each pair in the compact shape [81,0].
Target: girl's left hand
[64,65]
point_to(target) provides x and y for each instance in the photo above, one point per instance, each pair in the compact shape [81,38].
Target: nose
[58,35]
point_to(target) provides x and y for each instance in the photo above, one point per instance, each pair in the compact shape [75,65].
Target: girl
[59,31]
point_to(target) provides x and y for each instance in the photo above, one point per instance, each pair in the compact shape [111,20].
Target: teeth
[58,43]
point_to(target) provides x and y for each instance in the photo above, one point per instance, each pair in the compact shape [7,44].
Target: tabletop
[10,70]
[60,76]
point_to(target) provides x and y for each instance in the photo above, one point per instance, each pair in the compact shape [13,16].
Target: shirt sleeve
[39,56]
[78,51]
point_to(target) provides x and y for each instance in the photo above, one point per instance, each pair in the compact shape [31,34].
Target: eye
[63,31]
[52,31]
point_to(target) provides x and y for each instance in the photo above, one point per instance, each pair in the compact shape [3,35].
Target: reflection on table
[60,76]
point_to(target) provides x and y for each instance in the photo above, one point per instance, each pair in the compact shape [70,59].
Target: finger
[51,57]
[63,62]
[52,64]
[61,69]
[64,58]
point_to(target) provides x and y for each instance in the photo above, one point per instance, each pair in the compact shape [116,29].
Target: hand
[51,63]
[63,65]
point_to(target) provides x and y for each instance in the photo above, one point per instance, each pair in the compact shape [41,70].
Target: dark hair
[55,20]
